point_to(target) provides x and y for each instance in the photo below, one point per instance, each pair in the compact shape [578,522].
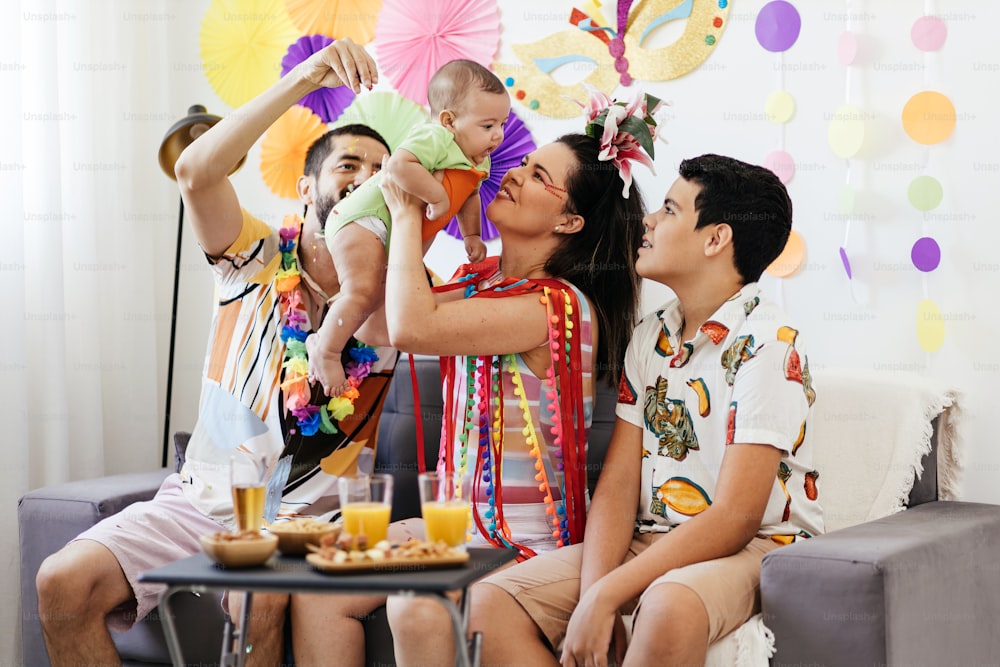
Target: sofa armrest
[49,517]
[917,587]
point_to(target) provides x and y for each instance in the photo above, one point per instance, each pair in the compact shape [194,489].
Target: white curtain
[86,264]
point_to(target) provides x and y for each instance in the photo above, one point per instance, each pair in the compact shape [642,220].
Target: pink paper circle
[928,33]
[926,254]
[778,25]
[782,164]
[847,48]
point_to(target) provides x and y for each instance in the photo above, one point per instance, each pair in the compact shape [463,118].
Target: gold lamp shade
[182,133]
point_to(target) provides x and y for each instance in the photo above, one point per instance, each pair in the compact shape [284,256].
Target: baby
[443,164]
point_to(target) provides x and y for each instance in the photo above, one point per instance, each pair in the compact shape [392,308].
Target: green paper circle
[925,193]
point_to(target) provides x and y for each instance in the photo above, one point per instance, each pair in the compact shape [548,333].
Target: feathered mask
[626,131]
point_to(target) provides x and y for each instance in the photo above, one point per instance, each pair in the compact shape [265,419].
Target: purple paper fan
[327,103]
[517,142]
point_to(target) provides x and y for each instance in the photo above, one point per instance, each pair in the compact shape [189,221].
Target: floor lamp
[180,135]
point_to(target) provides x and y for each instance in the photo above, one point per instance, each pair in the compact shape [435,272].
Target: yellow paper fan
[389,114]
[283,149]
[242,43]
[336,18]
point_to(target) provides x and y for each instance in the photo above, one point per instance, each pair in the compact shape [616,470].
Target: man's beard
[325,204]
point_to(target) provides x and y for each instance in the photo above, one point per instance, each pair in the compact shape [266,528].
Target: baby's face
[478,126]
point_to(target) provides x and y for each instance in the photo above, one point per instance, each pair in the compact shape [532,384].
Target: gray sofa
[916,588]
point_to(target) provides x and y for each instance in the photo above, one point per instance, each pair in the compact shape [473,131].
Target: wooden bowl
[295,535]
[245,550]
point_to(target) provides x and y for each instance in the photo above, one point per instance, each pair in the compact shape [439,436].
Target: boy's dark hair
[320,149]
[748,198]
[456,78]
[600,258]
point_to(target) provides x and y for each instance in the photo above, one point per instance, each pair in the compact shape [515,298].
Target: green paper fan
[390,114]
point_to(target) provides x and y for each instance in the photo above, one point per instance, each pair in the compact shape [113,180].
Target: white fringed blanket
[869,433]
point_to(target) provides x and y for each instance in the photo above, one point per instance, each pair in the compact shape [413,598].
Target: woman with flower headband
[522,338]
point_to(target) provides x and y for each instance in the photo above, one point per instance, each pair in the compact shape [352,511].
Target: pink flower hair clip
[626,131]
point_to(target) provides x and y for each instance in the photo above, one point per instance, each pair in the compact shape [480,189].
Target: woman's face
[532,197]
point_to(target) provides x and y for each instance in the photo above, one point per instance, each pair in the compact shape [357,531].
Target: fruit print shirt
[743,378]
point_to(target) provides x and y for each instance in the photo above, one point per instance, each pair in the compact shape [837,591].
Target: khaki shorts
[548,586]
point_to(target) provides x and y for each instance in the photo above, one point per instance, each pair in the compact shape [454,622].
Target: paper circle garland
[929,117]
[926,254]
[930,326]
[782,164]
[925,193]
[778,25]
[847,48]
[779,107]
[928,33]
[846,132]
[790,259]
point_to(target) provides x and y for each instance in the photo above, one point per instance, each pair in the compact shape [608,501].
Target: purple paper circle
[327,103]
[778,25]
[846,262]
[517,142]
[926,254]
[928,33]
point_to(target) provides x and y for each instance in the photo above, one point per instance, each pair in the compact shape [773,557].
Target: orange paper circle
[337,18]
[929,117]
[283,149]
[790,259]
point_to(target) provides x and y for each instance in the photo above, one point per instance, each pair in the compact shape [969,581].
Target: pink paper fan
[413,39]
[516,143]
[327,103]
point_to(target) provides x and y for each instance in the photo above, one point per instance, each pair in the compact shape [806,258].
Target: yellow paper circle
[846,132]
[930,326]
[929,117]
[779,107]
[790,259]
[242,43]
[925,193]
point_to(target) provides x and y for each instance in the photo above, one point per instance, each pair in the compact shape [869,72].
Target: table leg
[169,628]
[234,640]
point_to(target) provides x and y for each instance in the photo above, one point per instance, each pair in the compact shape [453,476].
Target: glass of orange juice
[445,506]
[366,504]
[248,478]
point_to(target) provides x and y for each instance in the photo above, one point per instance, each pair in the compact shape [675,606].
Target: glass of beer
[366,504]
[445,505]
[248,478]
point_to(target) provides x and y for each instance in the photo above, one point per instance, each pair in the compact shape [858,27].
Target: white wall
[868,323]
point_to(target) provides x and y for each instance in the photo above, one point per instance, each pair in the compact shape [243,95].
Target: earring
[558,228]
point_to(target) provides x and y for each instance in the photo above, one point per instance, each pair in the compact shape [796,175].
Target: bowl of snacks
[295,535]
[245,549]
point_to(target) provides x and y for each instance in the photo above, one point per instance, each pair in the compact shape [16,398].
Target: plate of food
[248,548]
[349,555]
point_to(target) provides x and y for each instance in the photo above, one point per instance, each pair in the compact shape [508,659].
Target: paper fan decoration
[389,114]
[413,39]
[283,149]
[336,18]
[327,103]
[517,142]
[241,40]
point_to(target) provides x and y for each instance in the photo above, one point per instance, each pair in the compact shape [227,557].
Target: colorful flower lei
[310,417]
[626,131]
